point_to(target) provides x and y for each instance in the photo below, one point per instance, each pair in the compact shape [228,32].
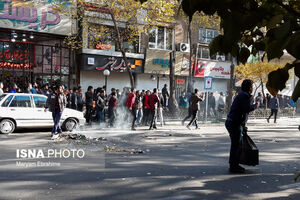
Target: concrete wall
[144,82]
[96,79]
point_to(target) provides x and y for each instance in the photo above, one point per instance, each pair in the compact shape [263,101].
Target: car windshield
[2,96]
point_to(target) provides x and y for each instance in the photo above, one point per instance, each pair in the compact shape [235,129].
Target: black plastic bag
[248,150]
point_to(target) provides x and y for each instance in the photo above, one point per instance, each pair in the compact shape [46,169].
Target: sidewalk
[251,122]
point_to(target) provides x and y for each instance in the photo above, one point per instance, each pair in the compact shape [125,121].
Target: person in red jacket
[146,107]
[112,106]
[130,103]
[153,101]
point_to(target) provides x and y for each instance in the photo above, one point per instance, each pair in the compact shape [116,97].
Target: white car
[18,110]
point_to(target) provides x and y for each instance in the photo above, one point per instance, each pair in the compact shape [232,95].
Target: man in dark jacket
[195,99]
[236,121]
[89,97]
[165,94]
[153,101]
[273,105]
[100,105]
[56,103]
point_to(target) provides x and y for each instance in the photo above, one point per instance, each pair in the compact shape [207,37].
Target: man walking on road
[273,105]
[236,122]
[195,99]
[56,104]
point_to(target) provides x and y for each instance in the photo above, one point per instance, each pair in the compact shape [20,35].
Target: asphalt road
[175,164]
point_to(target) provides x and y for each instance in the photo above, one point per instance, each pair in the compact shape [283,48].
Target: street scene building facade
[32,47]
[149,99]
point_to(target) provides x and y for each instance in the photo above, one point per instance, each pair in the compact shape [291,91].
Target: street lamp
[155,76]
[106,73]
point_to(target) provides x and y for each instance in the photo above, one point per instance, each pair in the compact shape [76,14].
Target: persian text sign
[212,68]
[34,15]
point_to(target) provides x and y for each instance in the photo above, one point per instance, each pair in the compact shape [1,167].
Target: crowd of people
[140,107]
[143,107]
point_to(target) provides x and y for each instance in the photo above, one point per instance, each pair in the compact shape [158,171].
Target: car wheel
[7,126]
[70,124]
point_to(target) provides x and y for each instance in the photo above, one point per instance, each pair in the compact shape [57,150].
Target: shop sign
[162,62]
[185,64]
[113,63]
[91,61]
[101,46]
[213,69]
[180,81]
[10,65]
[16,55]
[208,82]
[33,16]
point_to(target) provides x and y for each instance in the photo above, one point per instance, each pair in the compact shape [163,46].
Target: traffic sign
[208,82]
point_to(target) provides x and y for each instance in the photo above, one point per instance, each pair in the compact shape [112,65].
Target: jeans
[99,115]
[56,115]
[194,118]
[273,111]
[160,115]
[133,113]
[139,113]
[235,136]
[88,114]
[146,116]
[112,116]
[153,118]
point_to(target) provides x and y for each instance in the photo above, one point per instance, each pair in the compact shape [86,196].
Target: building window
[203,53]
[161,38]
[206,35]
[104,38]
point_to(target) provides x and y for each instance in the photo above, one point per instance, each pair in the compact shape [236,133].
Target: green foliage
[244,54]
[271,26]
[277,80]
[296,92]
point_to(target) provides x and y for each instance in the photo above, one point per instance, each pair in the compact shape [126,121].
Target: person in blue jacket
[274,106]
[236,122]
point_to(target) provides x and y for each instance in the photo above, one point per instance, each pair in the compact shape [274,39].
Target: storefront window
[203,52]
[161,38]
[42,59]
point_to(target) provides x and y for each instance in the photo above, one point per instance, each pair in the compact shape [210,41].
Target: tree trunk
[172,99]
[76,52]
[263,92]
[190,80]
[231,84]
[256,88]
[120,43]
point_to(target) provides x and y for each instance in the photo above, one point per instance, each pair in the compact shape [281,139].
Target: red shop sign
[180,81]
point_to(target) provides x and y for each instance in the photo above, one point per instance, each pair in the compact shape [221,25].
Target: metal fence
[211,116]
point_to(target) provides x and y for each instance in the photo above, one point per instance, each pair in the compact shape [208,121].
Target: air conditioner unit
[183,47]
[220,58]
